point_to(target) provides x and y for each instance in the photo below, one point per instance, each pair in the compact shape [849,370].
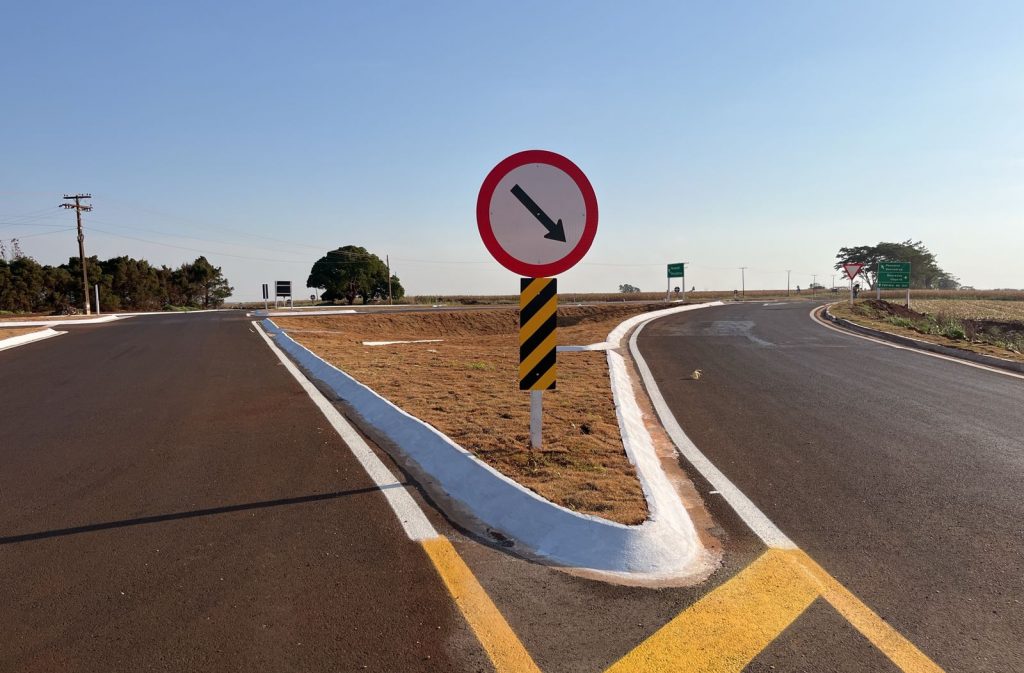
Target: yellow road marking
[900,651]
[727,628]
[499,641]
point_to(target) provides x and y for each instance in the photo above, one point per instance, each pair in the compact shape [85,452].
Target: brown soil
[7,332]
[873,313]
[466,386]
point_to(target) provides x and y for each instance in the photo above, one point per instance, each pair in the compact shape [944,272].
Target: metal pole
[96,289]
[536,417]
[908,295]
[683,285]
[851,290]
[668,288]
[787,281]
[387,260]
[814,285]
[743,281]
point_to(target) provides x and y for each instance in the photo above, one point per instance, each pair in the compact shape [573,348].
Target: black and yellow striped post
[538,368]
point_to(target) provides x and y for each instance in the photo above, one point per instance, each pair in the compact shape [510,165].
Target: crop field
[974,309]
[466,386]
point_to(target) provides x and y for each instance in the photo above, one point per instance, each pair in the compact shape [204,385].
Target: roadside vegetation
[26,286]
[990,327]
[8,332]
[467,387]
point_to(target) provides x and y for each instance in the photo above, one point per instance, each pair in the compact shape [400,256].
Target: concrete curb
[979,358]
[57,321]
[22,339]
[665,547]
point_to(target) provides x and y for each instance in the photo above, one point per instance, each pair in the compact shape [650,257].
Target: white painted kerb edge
[22,339]
[664,546]
[747,510]
[415,523]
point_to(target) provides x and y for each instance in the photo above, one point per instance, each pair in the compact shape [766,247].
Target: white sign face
[537,213]
[527,208]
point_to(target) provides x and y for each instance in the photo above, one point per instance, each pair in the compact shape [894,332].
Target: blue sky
[728,134]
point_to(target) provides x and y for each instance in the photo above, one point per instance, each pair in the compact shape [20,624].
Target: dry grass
[974,309]
[8,332]
[1002,344]
[466,386]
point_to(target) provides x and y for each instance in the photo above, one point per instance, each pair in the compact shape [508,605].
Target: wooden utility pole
[387,261]
[79,207]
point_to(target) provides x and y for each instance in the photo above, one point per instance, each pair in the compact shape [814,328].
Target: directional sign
[677,270]
[265,291]
[537,213]
[893,275]
[538,306]
[283,288]
[852,270]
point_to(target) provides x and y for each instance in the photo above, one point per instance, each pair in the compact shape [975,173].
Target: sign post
[893,276]
[537,216]
[677,270]
[852,270]
[283,291]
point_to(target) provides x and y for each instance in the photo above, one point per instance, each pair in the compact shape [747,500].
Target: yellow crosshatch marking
[720,633]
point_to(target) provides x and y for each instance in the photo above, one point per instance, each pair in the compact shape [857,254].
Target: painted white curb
[57,321]
[665,546]
[22,339]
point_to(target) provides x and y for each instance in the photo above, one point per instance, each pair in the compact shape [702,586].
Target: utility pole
[787,281]
[387,260]
[743,281]
[814,285]
[79,207]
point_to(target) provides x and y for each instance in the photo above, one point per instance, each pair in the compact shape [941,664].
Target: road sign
[266,290]
[677,270]
[283,288]
[852,270]
[893,275]
[537,213]
[538,304]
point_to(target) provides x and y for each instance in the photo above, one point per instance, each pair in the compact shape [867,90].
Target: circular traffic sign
[537,213]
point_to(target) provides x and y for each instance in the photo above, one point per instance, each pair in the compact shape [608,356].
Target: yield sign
[852,270]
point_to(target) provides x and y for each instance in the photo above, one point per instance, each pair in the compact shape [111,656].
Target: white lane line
[745,508]
[413,520]
[949,358]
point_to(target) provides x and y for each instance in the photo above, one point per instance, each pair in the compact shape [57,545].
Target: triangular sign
[852,270]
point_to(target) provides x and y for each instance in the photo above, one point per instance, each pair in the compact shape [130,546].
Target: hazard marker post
[537,216]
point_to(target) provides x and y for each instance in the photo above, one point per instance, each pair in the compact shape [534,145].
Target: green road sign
[677,270]
[893,275]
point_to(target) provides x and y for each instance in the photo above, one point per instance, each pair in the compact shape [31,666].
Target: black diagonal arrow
[556,232]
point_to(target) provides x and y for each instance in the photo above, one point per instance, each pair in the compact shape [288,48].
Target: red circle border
[483,215]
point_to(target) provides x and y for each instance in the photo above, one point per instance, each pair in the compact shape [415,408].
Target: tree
[204,284]
[626,288]
[924,270]
[352,271]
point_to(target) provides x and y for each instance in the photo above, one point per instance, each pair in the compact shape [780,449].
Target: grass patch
[467,387]
[953,323]
[8,332]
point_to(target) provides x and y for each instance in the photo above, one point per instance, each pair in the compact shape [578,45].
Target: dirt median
[466,386]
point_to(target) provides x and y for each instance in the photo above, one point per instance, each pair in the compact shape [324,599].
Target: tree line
[925,272]
[125,284]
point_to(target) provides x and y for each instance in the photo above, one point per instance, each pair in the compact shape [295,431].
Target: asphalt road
[171,500]
[901,474]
